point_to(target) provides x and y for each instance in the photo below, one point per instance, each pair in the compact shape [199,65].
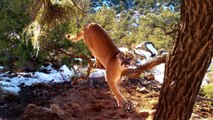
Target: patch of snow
[140,62]
[49,68]
[12,84]
[152,48]
[9,87]
[159,78]
[66,73]
[205,80]
[158,72]
[143,53]
[46,78]
[98,73]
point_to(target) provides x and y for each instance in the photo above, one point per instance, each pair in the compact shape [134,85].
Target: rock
[144,114]
[34,112]
[152,114]
[154,104]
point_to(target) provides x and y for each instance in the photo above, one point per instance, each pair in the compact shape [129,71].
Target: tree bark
[188,61]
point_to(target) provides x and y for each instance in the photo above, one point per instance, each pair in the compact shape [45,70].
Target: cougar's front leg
[112,81]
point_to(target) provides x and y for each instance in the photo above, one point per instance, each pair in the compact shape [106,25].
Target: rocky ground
[87,100]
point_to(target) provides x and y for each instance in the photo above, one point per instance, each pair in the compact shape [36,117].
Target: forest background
[128,22]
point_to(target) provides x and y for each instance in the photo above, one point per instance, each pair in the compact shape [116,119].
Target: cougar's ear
[120,54]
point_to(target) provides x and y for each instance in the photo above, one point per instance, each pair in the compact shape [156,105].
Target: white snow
[96,73]
[158,72]
[123,49]
[143,53]
[12,84]
[9,87]
[152,48]
[66,73]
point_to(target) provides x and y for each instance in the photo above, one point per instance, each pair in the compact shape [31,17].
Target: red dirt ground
[88,100]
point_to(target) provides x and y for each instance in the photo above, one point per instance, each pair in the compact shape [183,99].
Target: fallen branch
[134,73]
[199,98]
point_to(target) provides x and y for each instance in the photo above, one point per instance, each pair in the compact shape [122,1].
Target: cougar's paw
[128,106]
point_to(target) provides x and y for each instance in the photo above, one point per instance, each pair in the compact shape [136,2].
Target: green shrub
[208,90]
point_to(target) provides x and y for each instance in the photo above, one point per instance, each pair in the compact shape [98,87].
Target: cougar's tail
[77,37]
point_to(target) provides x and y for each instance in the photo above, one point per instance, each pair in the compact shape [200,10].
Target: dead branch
[82,57]
[199,98]
[78,7]
[171,32]
[134,73]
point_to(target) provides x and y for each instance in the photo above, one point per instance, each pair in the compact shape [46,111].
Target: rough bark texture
[187,62]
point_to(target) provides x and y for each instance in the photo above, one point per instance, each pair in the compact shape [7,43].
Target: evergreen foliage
[208,90]
[27,26]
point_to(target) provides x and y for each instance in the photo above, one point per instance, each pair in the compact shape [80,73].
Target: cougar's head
[125,59]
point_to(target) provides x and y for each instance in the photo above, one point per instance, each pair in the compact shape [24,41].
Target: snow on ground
[11,84]
[96,73]
[158,72]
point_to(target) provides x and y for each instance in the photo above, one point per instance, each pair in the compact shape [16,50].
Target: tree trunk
[188,61]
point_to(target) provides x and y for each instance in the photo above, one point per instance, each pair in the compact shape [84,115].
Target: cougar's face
[125,59]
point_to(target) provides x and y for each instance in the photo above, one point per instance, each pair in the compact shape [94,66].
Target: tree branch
[78,7]
[134,73]
[82,57]
[173,31]
[199,98]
